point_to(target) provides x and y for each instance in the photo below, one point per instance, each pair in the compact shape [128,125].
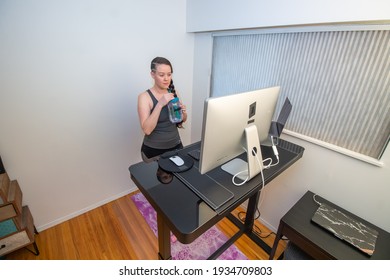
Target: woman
[160,134]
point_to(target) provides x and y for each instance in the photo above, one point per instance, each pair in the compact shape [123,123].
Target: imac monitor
[234,124]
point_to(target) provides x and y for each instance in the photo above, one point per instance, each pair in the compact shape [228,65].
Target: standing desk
[184,213]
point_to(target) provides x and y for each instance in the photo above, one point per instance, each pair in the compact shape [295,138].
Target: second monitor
[234,124]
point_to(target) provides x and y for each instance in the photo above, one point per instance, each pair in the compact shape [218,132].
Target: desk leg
[276,241]
[251,211]
[250,220]
[164,240]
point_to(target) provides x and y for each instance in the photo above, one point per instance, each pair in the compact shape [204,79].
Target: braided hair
[171,88]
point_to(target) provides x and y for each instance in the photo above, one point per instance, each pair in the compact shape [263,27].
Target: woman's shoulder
[145,98]
[144,94]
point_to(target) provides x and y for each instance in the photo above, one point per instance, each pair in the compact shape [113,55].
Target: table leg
[164,240]
[251,211]
[250,220]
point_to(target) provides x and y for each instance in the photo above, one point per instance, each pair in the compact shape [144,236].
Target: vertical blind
[337,81]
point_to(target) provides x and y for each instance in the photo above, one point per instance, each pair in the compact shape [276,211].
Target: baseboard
[84,210]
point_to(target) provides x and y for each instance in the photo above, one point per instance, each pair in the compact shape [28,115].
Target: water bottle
[174,109]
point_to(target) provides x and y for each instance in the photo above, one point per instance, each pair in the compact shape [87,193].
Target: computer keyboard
[195,154]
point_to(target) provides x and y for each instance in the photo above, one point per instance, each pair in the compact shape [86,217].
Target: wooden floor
[117,231]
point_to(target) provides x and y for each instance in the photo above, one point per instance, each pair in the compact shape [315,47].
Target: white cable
[261,170]
[238,173]
[243,182]
[262,180]
[262,177]
[276,153]
[270,163]
[274,141]
[246,179]
[274,144]
[316,201]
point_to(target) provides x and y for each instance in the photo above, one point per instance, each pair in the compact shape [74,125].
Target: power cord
[256,229]
[275,142]
[246,170]
[315,200]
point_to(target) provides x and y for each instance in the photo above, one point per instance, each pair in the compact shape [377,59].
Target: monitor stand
[254,164]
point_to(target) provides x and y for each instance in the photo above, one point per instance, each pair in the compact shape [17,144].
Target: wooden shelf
[17,228]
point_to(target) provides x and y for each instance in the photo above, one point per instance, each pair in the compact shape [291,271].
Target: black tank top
[165,135]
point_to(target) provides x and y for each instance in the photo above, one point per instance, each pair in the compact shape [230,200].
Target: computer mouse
[177,160]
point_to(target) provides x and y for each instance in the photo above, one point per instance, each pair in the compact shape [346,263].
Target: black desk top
[186,214]
[299,219]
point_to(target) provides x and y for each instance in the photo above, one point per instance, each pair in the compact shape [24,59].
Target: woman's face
[162,76]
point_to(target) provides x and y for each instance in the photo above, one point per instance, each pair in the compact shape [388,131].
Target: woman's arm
[148,120]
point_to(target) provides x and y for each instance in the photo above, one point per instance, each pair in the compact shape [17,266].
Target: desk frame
[164,230]
[140,174]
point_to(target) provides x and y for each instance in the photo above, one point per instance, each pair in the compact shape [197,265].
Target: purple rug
[200,249]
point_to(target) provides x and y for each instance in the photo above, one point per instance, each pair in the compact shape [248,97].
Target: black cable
[256,230]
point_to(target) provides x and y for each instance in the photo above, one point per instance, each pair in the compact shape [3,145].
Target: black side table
[296,225]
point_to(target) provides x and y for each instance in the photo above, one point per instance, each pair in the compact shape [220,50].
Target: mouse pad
[167,165]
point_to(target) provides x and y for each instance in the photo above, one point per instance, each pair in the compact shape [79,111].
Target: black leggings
[151,152]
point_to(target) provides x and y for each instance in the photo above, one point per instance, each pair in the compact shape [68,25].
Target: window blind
[337,81]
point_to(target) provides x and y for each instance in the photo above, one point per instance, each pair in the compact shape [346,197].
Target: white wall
[70,73]
[356,186]
[205,15]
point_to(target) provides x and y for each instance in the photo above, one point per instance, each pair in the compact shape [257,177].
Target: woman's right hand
[164,100]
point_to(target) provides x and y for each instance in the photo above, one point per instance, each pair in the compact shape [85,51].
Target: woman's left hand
[184,111]
[183,108]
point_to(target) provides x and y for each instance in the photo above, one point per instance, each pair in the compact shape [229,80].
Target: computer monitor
[234,124]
